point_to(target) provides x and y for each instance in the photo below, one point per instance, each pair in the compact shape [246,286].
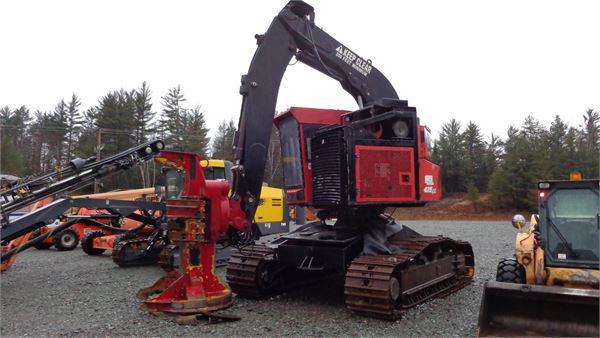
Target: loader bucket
[509,310]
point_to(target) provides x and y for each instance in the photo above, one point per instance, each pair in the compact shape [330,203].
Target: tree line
[42,140]
[509,167]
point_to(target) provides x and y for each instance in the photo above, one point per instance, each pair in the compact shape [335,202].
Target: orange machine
[95,239]
[86,233]
[52,220]
[15,243]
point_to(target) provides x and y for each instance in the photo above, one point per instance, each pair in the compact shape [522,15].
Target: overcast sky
[490,62]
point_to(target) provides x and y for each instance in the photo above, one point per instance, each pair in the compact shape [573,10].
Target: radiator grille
[384,174]
[329,168]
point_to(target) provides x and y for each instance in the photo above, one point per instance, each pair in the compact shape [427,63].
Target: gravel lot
[50,293]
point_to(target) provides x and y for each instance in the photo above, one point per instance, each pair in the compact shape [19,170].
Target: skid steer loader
[550,287]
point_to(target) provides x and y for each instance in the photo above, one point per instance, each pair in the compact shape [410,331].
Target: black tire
[40,245]
[66,240]
[510,271]
[87,243]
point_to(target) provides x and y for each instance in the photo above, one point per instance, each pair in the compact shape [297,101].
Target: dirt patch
[456,206]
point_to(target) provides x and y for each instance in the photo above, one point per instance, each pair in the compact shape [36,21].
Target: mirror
[518,221]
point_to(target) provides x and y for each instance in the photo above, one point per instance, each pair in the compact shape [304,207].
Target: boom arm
[292,32]
[77,174]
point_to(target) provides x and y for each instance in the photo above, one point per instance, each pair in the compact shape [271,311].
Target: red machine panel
[384,174]
[308,120]
[429,181]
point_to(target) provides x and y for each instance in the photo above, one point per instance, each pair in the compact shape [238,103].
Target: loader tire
[87,243]
[510,271]
[66,240]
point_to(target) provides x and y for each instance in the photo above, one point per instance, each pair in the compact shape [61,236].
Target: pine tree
[87,139]
[12,127]
[74,120]
[493,153]
[449,153]
[14,124]
[556,154]
[591,130]
[522,178]
[172,123]
[500,190]
[195,134]
[39,155]
[5,114]
[143,114]
[11,159]
[474,150]
[513,183]
[115,119]
[589,150]
[572,149]
[143,127]
[534,133]
[473,195]
[57,132]
[222,145]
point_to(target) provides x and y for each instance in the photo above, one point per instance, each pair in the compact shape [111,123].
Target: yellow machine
[551,286]
[270,216]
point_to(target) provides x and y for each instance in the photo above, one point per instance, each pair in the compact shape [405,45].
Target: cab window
[214,173]
[173,182]
[574,212]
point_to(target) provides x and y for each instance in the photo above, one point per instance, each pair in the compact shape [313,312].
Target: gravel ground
[50,293]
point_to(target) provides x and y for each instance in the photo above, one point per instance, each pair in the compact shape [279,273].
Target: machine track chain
[87,243]
[254,272]
[250,270]
[132,252]
[433,266]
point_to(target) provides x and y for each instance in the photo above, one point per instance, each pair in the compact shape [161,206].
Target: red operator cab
[387,163]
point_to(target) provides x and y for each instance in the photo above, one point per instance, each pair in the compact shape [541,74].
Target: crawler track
[246,268]
[132,252]
[254,272]
[383,286]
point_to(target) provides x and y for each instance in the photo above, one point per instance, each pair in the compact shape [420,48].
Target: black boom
[292,33]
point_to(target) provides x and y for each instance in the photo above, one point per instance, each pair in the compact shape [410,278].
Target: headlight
[544,185]
[400,129]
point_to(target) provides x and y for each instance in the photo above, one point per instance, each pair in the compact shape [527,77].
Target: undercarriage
[383,285]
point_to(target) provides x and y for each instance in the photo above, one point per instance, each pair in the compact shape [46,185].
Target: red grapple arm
[224,212]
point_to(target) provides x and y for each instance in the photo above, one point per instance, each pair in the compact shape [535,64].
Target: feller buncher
[349,165]
[550,286]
